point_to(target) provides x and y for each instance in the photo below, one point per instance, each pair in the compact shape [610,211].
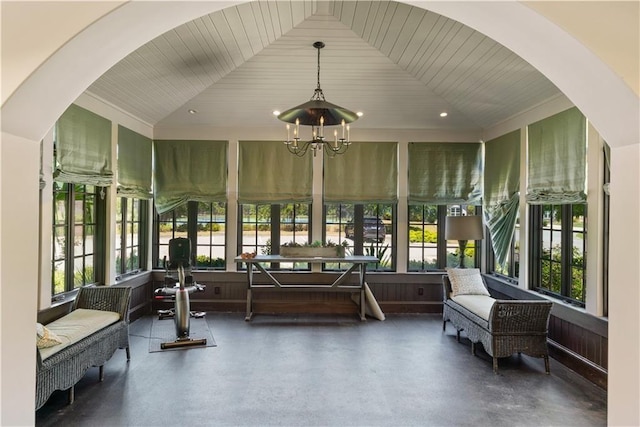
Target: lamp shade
[464,228]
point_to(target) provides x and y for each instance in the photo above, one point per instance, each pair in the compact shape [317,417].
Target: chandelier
[318,113]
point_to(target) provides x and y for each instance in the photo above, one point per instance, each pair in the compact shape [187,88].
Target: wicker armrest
[520,317]
[105,298]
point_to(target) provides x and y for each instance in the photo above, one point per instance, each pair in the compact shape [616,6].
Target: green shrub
[416,235]
[205,261]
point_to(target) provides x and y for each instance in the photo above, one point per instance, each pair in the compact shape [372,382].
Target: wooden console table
[358,262]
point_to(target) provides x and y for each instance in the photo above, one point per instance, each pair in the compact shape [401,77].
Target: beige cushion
[466,281]
[77,325]
[480,305]
[45,337]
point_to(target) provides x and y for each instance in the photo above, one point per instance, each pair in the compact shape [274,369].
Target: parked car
[373,230]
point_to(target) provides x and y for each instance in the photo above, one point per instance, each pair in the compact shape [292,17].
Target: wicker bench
[503,327]
[61,366]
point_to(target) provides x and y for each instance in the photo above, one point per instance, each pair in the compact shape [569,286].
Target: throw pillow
[466,281]
[45,337]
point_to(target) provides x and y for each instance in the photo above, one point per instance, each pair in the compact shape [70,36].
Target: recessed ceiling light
[276,112]
[444,114]
[359,114]
[192,111]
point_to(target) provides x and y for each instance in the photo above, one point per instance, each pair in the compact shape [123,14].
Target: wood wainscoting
[394,292]
[576,339]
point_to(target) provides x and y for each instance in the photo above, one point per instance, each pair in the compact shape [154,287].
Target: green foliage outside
[379,252]
[80,278]
[132,263]
[417,235]
[182,227]
[552,273]
[206,262]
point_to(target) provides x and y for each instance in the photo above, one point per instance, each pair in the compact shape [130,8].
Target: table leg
[249,312]
[363,301]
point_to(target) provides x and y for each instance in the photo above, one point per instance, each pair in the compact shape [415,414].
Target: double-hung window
[130,235]
[78,236]
[501,201]
[190,189]
[444,179]
[559,250]
[365,229]
[360,199]
[204,224]
[264,228]
[82,155]
[274,196]
[557,148]
[134,191]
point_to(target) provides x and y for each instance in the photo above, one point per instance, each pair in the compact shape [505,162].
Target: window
[558,249]
[423,237]
[201,222]
[428,250]
[211,235]
[130,235]
[264,227]
[367,228]
[78,236]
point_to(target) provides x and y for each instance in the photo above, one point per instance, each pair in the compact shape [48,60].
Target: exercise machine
[178,284]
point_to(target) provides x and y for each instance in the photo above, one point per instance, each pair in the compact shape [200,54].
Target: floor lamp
[463,229]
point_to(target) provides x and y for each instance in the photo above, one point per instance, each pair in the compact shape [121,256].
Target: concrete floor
[325,370]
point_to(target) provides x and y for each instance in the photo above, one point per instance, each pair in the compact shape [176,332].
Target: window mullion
[442,242]
[275,232]
[123,234]
[192,228]
[535,246]
[567,249]
[70,233]
[358,226]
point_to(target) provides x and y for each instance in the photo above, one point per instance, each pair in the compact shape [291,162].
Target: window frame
[275,223]
[192,228]
[443,246]
[121,240]
[360,247]
[566,261]
[69,252]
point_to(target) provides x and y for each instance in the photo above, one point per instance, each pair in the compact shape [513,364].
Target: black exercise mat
[165,331]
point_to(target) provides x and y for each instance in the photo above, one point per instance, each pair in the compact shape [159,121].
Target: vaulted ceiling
[400,65]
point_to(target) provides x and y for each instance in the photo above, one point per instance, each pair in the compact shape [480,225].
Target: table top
[354,259]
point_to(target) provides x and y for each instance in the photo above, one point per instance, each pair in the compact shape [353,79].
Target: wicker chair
[64,369]
[513,326]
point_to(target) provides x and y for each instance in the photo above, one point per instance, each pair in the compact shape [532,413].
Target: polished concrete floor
[325,370]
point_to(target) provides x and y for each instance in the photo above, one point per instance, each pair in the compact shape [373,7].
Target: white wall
[19,171]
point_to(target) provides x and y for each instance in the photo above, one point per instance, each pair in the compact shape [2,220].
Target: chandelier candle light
[318,113]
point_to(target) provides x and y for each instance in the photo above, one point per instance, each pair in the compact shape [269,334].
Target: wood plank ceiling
[400,65]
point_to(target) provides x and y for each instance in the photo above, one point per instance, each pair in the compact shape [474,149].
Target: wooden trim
[582,366]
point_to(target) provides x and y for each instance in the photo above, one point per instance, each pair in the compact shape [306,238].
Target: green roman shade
[189,171]
[501,191]
[366,173]
[445,173]
[134,164]
[557,159]
[268,173]
[83,148]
